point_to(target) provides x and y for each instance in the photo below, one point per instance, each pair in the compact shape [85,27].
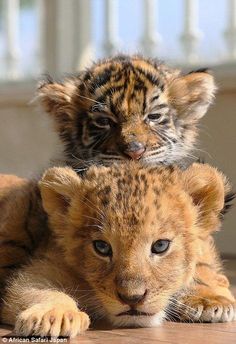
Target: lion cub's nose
[135,150]
[132,299]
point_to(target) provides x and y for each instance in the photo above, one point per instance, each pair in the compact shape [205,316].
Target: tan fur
[8,181]
[130,207]
[22,222]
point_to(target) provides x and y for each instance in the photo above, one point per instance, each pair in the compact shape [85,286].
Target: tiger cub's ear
[55,97]
[58,187]
[192,94]
[208,189]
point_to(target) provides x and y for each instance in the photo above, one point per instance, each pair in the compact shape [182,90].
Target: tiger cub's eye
[103,121]
[102,248]
[154,116]
[160,246]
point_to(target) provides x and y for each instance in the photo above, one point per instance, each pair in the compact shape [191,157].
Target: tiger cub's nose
[135,150]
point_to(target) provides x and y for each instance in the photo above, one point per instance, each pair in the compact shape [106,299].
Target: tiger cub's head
[128,107]
[133,233]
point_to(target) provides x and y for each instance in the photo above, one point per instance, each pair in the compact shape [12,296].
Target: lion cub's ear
[58,186]
[192,94]
[208,189]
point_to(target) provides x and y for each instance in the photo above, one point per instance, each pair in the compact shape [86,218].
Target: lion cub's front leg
[209,299]
[53,318]
[207,306]
[42,312]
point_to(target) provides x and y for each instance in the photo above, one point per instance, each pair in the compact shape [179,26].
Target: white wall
[27,139]
[218,138]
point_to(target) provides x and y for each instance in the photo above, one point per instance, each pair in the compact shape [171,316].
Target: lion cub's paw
[208,309]
[47,320]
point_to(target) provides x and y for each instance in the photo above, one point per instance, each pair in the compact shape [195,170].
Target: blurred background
[63,36]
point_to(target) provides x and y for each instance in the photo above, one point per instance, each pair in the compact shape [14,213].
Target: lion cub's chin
[137,321]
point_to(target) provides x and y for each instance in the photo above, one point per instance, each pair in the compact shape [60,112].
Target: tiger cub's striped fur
[128,106]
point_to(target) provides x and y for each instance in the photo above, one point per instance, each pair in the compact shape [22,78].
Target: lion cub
[127,243]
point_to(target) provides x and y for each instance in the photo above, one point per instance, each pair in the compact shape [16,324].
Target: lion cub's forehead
[132,195]
[130,179]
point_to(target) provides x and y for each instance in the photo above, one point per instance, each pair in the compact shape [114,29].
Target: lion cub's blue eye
[102,248]
[160,246]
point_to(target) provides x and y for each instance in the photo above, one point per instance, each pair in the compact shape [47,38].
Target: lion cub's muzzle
[131,291]
[132,300]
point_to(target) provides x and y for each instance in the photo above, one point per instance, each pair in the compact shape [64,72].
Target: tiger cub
[126,107]
[126,243]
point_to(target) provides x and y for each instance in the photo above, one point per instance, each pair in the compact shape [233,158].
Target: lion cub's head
[133,233]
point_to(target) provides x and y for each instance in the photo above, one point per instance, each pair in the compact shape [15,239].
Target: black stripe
[11,267]
[151,78]
[144,100]
[102,79]
[155,98]
[118,77]
[115,105]
[87,76]
[162,87]
[139,87]
[15,244]
[109,92]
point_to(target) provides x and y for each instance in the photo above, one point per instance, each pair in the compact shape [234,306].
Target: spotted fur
[129,207]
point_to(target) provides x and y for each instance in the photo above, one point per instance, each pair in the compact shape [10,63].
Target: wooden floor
[169,333]
[174,333]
